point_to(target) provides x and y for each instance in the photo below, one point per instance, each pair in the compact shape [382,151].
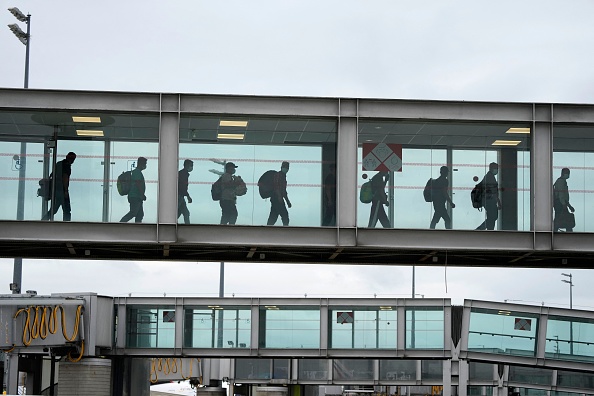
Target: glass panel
[124,157]
[22,165]
[424,328]
[480,371]
[151,327]
[570,339]
[369,328]
[462,152]
[502,332]
[217,328]
[313,369]
[289,327]
[530,375]
[253,368]
[431,370]
[255,147]
[480,391]
[573,149]
[575,379]
[398,370]
[351,369]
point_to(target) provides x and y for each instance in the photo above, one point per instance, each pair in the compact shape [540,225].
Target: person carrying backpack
[440,197]
[228,200]
[279,196]
[61,177]
[491,201]
[378,186]
[136,196]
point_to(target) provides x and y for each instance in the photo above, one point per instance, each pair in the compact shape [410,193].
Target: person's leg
[58,201]
[139,212]
[437,215]
[273,212]
[66,210]
[284,213]
[492,214]
[373,214]
[224,213]
[383,217]
[447,220]
[132,212]
[232,212]
[182,209]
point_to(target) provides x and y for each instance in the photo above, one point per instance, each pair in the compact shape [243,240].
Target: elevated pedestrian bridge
[328,340]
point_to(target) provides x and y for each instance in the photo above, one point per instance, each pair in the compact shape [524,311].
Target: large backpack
[216,190]
[45,188]
[366,193]
[266,184]
[428,191]
[477,196]
[124,182]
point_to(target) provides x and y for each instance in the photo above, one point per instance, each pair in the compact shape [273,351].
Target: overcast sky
[509,50]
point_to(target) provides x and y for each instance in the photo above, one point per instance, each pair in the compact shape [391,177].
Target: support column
[508,185]
[541,164]
[346,173]
[168,164]
[463,375]
[11,373]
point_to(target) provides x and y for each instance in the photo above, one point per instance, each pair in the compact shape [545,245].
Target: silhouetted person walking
[561,204]
[440,197]
[491,200]
[136,196]
[279,196]
[183,181]
[61,180]
[329,219]
[378,186]
[228,200]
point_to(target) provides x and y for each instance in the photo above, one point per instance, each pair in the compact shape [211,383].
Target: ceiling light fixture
[506,142]
[385,308]
[518,130]
[89,132]
[95,120]
[232,136]
[229,123]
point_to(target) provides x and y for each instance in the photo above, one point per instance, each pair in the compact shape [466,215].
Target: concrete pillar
[508,176]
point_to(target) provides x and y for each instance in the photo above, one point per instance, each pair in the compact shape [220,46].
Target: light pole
[25,38]
[570,282]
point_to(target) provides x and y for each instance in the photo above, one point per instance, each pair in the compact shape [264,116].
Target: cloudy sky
[509,50]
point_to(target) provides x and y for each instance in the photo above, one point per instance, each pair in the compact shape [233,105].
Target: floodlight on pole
[23,37]
[18,14]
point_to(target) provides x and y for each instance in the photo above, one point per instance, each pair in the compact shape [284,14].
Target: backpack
[477,196]
[428,191]
[216,190]
[266,184]
[124,182]
[366,193]
[241,188]
[45,188]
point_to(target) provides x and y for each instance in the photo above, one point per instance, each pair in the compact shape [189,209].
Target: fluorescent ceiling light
[234,136]
[506,142]
[96,120]
[507,313]
[229,123]
[89,132]
[386,308]
[518,130]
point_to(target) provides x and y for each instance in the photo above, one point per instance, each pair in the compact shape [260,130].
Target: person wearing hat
[279,196]
[228,200]
[182,190]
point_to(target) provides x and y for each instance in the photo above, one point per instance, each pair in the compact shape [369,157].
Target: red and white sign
[382,157]
[523,324]
[345,317]
[168,316]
